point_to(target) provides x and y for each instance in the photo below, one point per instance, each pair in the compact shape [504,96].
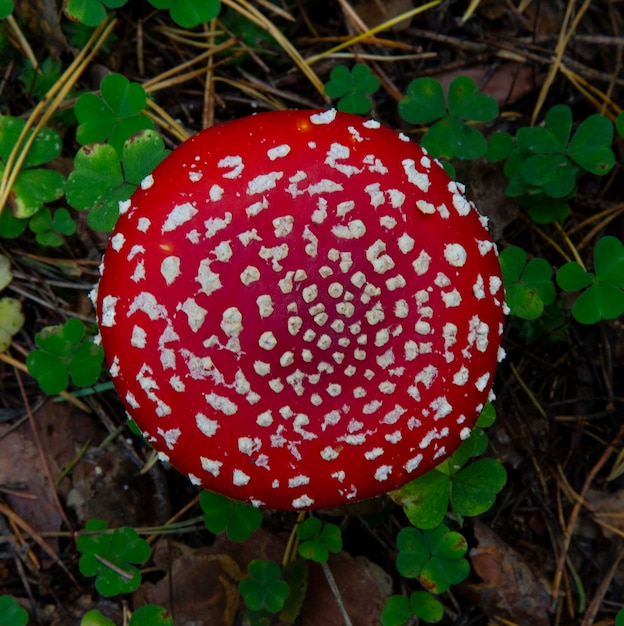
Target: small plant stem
[47,106]
[23,42]
[331,581]
[526,390]
[122,572]
[163,119]
[575,253]
[290,553]
[372,31]
[250,12]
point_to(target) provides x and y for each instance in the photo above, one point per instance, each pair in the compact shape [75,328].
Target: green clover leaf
[263,588]
[590,146]
[33,186]
[95,618]
[11,613]
[237,519]
[424,101]
[112,558]
[466,103]
[49,227]
[100,180]
[602,294]
[90,12]
[151,615]
[115,116]
[353,88]
[6,8]
[63,351]
[318,539]
[433,556]
[420,604]
[189,13]
[528,286]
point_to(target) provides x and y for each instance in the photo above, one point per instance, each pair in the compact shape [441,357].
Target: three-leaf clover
[189,13]
[602,294]
[65,351]
[469,490]
[34,185]
[420,604]
[90,12]
[49,227]
[237,519]
[547,160]
[115,116]
[450,136]
[433,556]
[112,557]
[528,286]
[101,180]
[352,87]
[11,613]
[318,539]
[264,588]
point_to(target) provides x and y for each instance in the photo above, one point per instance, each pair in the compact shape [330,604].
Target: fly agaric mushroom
[301,309]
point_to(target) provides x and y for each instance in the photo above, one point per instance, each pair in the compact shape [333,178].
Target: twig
[331,581]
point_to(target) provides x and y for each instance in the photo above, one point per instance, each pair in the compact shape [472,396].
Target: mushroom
[301,309]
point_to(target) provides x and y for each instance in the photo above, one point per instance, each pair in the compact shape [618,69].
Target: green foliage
[49,227]
[6,8]
[151,615]
[433,556]
[450,136]
[11,315]
[528,286]
[101,180]
[295,574]
[115,116]
[602,292]
[353,88]
[619,618]
[34,186]
[95,618]
[237,519]
[264,588]
[548,159]
[11,613]
[318,539]
[111,557]
[619,124]
[65,351]
[420,604]
[189,13]
[90,12]
[469,490]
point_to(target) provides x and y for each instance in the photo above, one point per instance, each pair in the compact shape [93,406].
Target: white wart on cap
[300,309]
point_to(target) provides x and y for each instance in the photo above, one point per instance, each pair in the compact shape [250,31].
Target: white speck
[231,322]
[422,327]
[298,481]
[455,254]
[383,472]
[146,303]
[373,454]
[338,151]
[461,377]
[233,162]
[215,224]
[278,152]
[265,305]
[117,242]
[124,206]
[482,382]
[195,313]
[372,407]
[276,385]
[255,208]
[464,434]
[195,480]
[180,214]
[211,466]
[371,124]
[265,418]
[441,407]
[250,275]
[344,207]
[479,288]
[147,182]
[353,230]
[324,186]
[421,264]
[376,195]
[325,117]
[209,280]
[461,205]
[139,337]
[396,282]
[267,340]
[275,254]
[415,177]
[334,389]
[239,478]
[108,311]
[485,246]
[195,177]
[221,403]
[451,298]
[413,463]
[425,207]
[495,284]
[286,359]
[302,502]
[170,269]
[170,436]
[375,255]
[283,225]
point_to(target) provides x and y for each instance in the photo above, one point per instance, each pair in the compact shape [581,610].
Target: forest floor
[550,550]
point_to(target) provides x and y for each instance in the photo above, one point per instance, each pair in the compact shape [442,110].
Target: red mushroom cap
[301,309]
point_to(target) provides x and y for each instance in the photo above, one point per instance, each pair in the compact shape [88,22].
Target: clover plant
[237,519]
[529,285]
[263,588]
[101,178]
[352,88]
[189,13]
[112,557]
[420,604]
[450,136]
[11,314]
[11,613]
[6,8]
[34,185]
[65,351]
[318,539]
[50,227]
[90,12]
[601,291]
